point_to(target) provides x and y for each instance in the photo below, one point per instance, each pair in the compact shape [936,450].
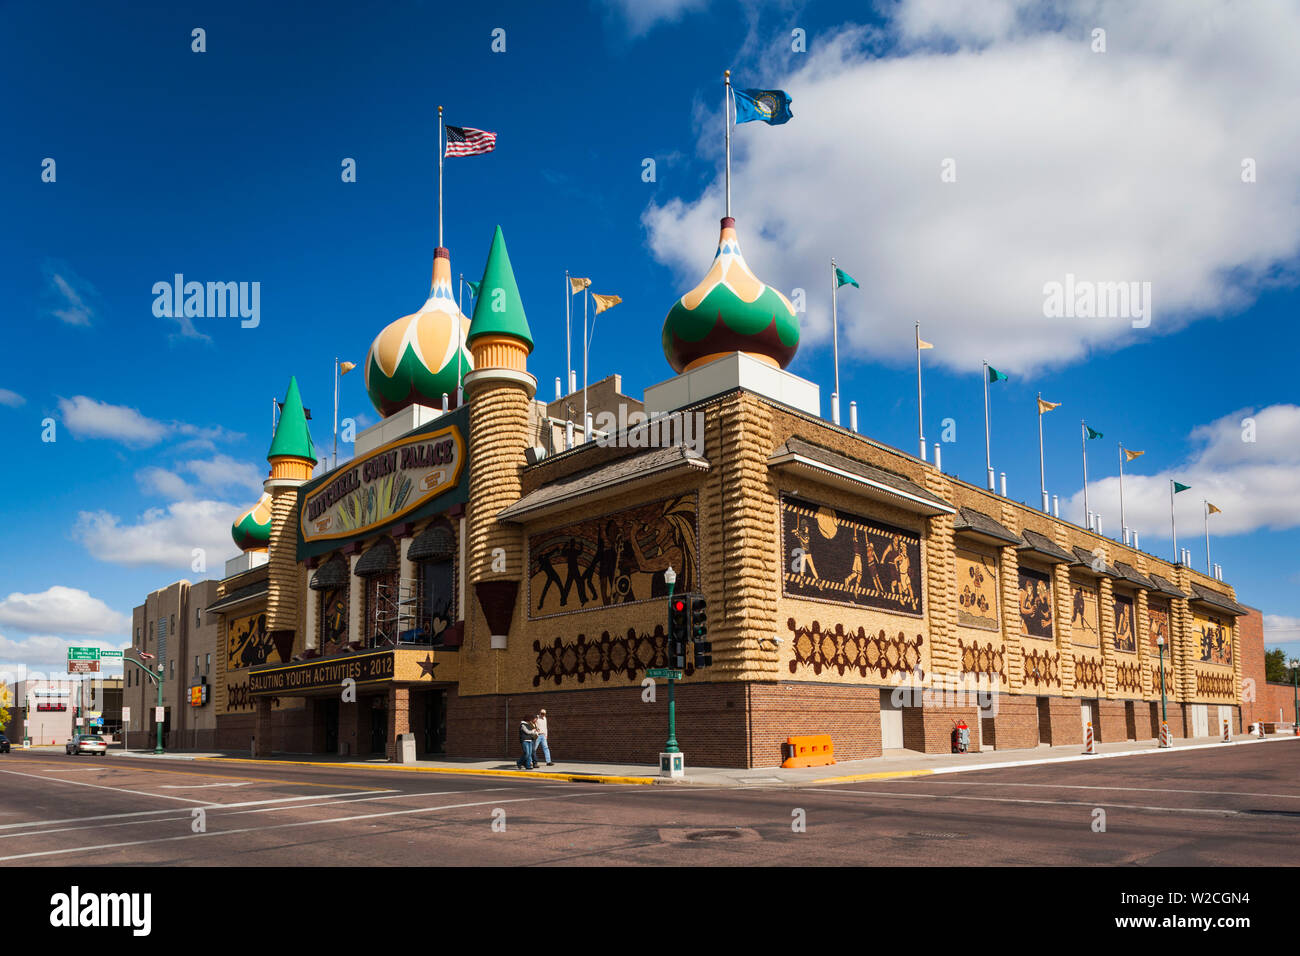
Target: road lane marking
[201,786]
[206,775]
[100,786]
[141,813]
[301,823]
[187,817]
[1050,803]
[1079,786]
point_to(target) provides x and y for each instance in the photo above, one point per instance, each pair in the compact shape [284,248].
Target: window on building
[197,616]
[437,608]
[207,663]
[173,624]
[171,668]
[196,665]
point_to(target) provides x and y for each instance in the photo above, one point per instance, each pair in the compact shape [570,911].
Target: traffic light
[679,629]
[699,631]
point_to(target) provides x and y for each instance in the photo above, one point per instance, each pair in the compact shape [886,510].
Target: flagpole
[440,151]
[835,345]
[585,437]
[920,417]
[336,411]
[1173,525]
[1122,520]
[988,459]
[1042,472]
[460,311]
[1083,435]
[568,334]
[1207,537]
[726,121]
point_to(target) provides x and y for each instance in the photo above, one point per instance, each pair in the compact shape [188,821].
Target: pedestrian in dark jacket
[527,734]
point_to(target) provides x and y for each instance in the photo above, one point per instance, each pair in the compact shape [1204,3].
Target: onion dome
[499,309]
[414,360]
[252,529]
[731,310]
[292,437]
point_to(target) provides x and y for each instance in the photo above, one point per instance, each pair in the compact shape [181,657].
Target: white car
[86,744]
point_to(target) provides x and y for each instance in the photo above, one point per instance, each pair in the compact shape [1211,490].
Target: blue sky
[1122,164]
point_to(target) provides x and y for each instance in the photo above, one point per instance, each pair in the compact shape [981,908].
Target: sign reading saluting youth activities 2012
[388,483]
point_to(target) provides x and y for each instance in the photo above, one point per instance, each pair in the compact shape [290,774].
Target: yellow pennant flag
[923,344]
[1047,406]
[577,285]
[345,367]
[1213,510]
[1130,455]
[604,302]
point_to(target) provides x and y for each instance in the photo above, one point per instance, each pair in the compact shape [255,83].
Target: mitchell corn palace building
[469,566]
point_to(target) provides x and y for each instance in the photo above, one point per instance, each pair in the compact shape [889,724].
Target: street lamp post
[1164,715]
[1295,686]
[157,679]
[670,579]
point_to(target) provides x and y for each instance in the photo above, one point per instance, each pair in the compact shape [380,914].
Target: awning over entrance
[371,669]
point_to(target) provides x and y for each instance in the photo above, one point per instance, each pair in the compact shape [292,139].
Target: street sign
[83,667]
[664,673]
[160,714]
[110,655]
[83,653]
[126,716]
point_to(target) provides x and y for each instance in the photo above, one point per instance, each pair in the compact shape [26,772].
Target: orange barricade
[812,751]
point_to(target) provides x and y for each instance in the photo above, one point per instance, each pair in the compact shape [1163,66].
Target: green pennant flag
[473,286]
[1092,432]
[843,278]
[1180,487]
[995,375]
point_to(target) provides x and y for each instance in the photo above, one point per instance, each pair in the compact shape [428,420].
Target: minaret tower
[499,390]
[292,457]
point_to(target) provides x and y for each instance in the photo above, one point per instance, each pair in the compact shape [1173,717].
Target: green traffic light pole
[1295,684]
[670,579]
[157,679]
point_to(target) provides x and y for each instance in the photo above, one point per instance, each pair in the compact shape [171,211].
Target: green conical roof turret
[499,309]
[292,439]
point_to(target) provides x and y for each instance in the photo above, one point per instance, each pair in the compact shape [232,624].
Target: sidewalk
[895,764]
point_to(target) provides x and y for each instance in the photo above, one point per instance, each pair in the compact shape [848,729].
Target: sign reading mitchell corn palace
[455,584]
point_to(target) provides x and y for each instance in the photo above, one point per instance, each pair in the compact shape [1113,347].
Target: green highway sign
[664,673]
[110,655]
[83,653]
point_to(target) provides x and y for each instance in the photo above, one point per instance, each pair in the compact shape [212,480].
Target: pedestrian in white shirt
[542,747]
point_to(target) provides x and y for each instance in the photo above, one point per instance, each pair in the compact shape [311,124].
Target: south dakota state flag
[770,106]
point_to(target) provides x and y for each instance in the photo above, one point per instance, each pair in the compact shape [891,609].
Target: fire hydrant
[960,738]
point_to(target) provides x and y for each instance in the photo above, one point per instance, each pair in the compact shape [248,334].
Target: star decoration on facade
[427,665]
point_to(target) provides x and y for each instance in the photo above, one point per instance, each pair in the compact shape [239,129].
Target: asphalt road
[1237,806]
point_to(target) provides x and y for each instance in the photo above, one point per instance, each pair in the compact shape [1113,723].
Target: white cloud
[10,398]
[641,16]
[215,474]
[71,298]
[1116,166]
[164,537]
[44,655]
[63,609]
[88,417]
[1284,632]
[1255,483]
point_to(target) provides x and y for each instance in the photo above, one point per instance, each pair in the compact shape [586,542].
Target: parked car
[86,744]
[4,744]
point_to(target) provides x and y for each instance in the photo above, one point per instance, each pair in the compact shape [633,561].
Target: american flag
[463,141]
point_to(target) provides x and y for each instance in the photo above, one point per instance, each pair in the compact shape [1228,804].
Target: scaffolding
[396,613]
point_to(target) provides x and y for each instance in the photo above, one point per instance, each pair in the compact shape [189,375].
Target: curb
[1002,765]
[466,771]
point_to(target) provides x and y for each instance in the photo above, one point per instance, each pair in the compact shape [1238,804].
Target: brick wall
[1015,724]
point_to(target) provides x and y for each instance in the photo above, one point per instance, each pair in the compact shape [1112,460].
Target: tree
[1275,668]
[6,698]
